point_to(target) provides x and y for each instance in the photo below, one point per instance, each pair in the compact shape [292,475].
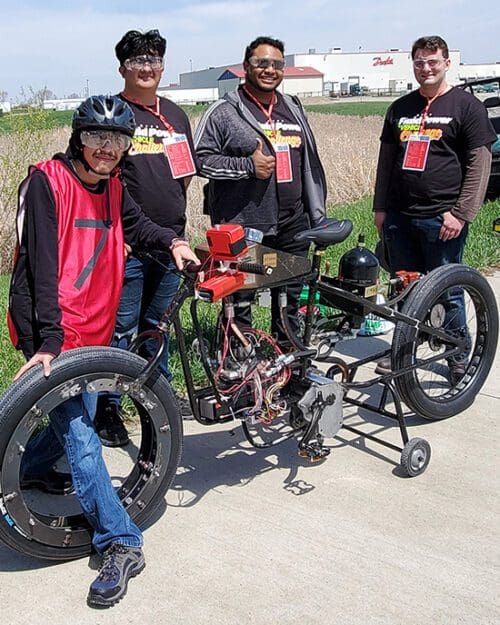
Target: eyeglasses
[264,63]
[139,62]
[432,63]
[96,139]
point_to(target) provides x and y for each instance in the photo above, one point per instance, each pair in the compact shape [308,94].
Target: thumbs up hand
[264,165]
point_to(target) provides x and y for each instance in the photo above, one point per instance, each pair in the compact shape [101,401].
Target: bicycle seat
[329,231]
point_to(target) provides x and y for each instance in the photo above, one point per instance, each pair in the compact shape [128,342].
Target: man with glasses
[432,174]
[157,171]
[73,220]
[258,151]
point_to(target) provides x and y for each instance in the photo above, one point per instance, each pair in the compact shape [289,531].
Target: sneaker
[119,564]
[457,372]
[109,425]
[383,366]
[184,407]
[52,482]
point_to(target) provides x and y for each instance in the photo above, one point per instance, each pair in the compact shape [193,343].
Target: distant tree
[74,96]
[35,99]
[3,96]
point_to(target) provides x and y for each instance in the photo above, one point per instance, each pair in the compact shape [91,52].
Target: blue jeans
[71,431]
[413,244]
[148,289]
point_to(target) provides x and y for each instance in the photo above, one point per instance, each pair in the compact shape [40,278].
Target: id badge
[179,155]
[417,150]
[283,162]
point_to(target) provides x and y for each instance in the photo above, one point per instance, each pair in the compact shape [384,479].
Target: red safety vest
[90,256]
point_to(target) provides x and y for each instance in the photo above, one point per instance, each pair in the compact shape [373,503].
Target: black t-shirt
[146,171]
[456,122]
[287,131]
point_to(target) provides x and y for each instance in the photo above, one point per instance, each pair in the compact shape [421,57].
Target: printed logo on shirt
[411,126]
[293,140]
[148,140]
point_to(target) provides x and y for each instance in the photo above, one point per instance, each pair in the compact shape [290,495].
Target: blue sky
[61,45]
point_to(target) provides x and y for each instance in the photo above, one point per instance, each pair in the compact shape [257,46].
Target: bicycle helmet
[101,112]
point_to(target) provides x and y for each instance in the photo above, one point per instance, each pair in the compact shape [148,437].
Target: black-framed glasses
[264,63]
[139,62]
[97,139]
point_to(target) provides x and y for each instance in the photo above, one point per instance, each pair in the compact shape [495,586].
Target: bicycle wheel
[428,389]
[53,526]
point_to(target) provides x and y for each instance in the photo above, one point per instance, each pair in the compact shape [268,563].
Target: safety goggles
[96,139]
[432,63]
[139,62]
[264,63]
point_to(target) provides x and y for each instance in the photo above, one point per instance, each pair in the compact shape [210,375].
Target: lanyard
[154,111]
[267,112]
[426,110]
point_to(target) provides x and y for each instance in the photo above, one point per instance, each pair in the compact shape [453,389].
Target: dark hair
[134,43]
[432,43]
[263,41]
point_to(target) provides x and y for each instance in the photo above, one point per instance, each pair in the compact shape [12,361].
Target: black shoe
[457,372]
[184,407]
[109,425]
[383,366]
[52,482]
[119,564]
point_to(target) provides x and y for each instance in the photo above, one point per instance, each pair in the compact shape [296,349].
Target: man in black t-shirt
[432,174]
[258,151]
[157,179]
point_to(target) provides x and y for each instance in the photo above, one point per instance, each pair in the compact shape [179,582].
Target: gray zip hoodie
[225,140]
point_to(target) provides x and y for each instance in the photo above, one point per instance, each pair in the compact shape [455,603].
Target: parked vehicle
[492,103]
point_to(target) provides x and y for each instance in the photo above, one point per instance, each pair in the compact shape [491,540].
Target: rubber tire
[32,387]
[420,300]
[412,465]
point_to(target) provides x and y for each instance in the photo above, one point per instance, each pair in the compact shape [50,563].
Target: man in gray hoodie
[257,150]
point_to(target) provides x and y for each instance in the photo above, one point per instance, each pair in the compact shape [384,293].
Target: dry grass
[17,152]
[348,148]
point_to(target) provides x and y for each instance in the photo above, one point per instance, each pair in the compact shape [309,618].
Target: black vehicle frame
[277,395]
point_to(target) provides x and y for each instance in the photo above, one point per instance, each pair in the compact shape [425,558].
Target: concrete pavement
[262,537]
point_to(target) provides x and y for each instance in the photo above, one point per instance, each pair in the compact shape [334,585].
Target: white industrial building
[62,104]
[387,72]
[303,81]
[296,80]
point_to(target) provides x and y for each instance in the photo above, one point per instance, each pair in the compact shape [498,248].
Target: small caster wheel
[415,456]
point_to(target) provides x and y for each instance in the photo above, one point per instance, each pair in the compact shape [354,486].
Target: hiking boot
[119,564]
[457,372]
[184,407]
[52,482]
[109,425]
[383,366]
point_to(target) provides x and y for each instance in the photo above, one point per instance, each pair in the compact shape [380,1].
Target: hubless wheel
[53,526]
[429,390]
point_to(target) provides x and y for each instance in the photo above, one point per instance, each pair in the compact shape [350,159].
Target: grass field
[44,120]
[359,109]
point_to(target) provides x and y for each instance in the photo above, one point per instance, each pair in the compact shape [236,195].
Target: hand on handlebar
[182,253]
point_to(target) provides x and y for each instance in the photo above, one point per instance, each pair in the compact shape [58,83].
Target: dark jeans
[148,288]
[284,242]
[413,244]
